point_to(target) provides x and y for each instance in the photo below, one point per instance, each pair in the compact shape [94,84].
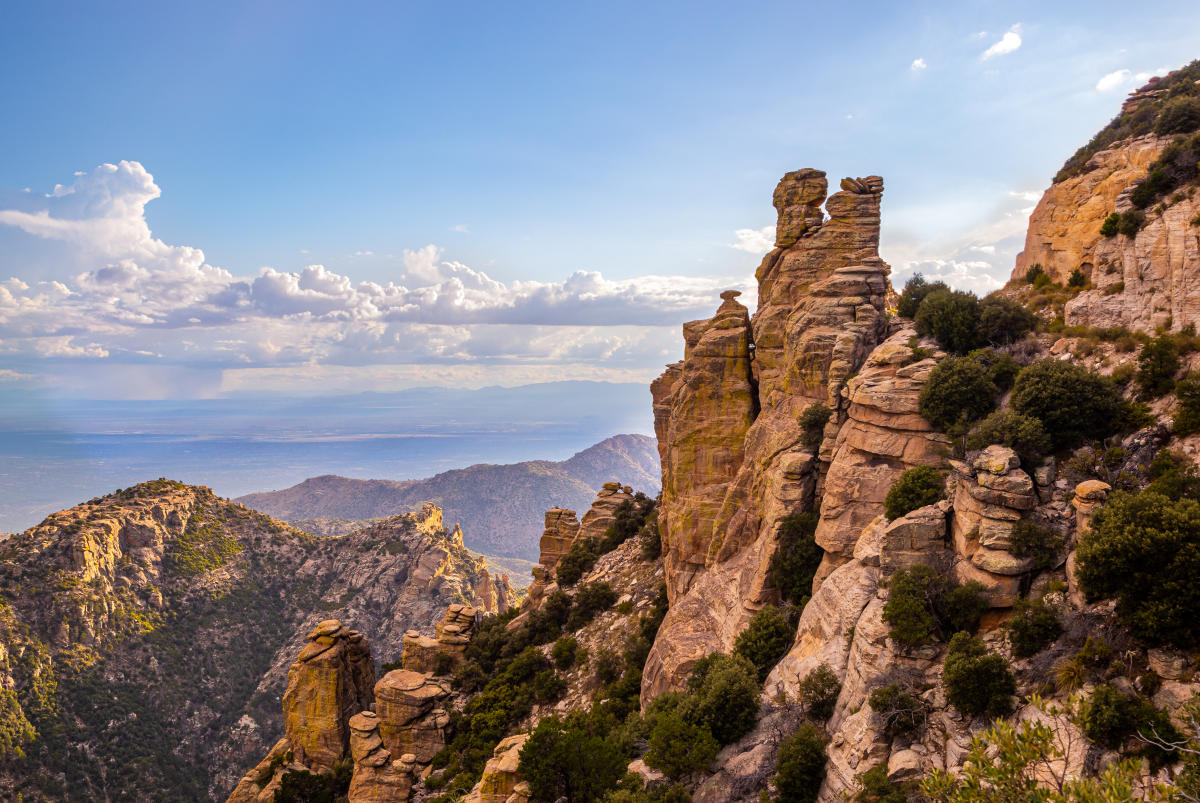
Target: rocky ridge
[183,612]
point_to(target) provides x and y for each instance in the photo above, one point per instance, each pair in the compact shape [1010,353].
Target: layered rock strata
[454,631]
[735,459]
[378,777]
[413,715]
[501,783]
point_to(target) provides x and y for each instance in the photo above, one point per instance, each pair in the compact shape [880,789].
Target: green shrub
[874,787]
[1024,434]
[1174,476]
[1033,272]
[301,786]
[590,599]
[1144,550]
[1076,279]
[1028,540]
[813,422]
[975,680]
[1179,116]
[1187,415]
[443,663]
[1033,627]
[564,651]
[1001,368]
[801,767]
[1109,227]
[923,605]
[951,317]
[578,561]
[607,666]
[723,696]
[915,290]
[1002,321]
[957,394]
[819,692]
[1109,716]
[914,489]
[1042,281]
[1072,403]
[902,710]
[679,747]
[548,686]
[651,539]
[765,640]
[563,761]
[796,557]
[1131,222]
[1157,365]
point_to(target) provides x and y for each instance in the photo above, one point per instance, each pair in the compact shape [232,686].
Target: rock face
[1142,282]
[330,682]
[500,782]
[421,653]
[735,459]
[378,777]
[412,713]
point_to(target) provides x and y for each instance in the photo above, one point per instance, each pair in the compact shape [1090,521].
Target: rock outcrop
[500,782]
[424,654]
[330,682]
[735,459]
[412,713]
[378,776]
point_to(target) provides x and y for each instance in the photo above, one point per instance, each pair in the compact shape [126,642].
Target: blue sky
[294,198]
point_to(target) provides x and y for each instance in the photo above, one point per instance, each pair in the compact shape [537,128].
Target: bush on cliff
[813,421]
[977,681]
[1110,226]
[951,317]
[578,561]
[1144,550]
[899,706]
[819,692]
[915,290]
[923,605]
[801,766]
[723,696]
[1003,321]
[1033,627]
[561,761]
[958,393]
[1187,414]
[914,489]
[796,557]
[1179,116]
[1157,365]
[1024,434]
[765,640]
[678,747]
[1071,402]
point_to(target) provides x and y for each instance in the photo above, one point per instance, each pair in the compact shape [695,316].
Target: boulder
[412,713]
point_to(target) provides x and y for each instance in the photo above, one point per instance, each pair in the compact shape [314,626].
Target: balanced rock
[500,782]
[378,778]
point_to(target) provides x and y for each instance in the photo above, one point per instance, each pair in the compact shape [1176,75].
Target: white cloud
[460,228]
[9,375]
[1143,77]
[1005,44]
[755,241]
[141,302]
[918,65]
[1113,80]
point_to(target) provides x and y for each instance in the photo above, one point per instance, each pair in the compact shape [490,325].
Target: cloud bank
[145,302]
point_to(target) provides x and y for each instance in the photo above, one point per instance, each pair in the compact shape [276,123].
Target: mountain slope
[146,635]
[499,506]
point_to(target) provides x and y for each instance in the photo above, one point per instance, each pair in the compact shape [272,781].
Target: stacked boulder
[421,653]
[413,715]
[377,776]
[500,782]
[990,497]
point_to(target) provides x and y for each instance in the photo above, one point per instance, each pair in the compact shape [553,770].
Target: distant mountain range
[500,507]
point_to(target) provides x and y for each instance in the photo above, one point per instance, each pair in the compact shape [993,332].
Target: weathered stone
[377,777]
[325,689]
[996,460]
[412,713]
[500,777]
[918,538]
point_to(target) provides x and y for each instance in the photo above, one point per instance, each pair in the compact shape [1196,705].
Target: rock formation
[331,681]
[378,777]
[412,713]
[735,459]
[500,782]
[421,653]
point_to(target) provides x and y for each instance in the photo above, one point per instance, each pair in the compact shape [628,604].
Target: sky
[201,200]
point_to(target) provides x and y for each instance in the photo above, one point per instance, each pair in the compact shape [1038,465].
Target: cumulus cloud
[142,300]
[755,241]
[1005,44]
[1114,80]
[918,65]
